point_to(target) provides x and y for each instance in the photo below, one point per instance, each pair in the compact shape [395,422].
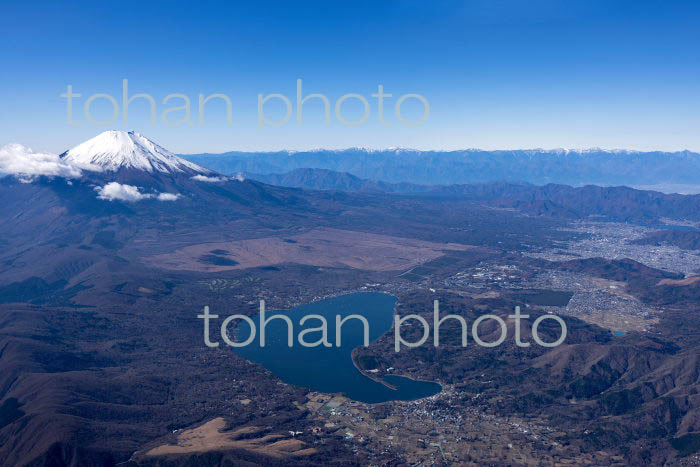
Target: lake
[330,369]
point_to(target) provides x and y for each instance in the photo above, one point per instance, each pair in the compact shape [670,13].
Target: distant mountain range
[576,168]
[128,167]
[552,200]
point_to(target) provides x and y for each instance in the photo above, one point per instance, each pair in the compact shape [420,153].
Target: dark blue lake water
[330,369]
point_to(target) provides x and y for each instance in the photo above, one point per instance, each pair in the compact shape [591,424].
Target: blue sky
[497,74]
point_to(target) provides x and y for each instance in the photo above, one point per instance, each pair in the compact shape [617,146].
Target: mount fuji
[113,150]
[128,166]
[119,172]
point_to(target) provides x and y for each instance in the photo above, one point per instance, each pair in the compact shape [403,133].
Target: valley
[103,361]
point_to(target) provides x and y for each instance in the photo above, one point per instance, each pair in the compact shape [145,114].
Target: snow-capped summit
[115,150]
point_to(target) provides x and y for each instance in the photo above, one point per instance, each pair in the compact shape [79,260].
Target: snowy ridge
[115,150]
[531,151]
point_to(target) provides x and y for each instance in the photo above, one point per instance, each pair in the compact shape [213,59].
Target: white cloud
[168,196]
[204,178]
[116,191]
[16,159]
[130,193]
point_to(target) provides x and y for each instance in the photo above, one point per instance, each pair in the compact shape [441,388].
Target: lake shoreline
[326,368]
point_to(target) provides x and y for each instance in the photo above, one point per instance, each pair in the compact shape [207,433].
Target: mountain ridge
[570,167]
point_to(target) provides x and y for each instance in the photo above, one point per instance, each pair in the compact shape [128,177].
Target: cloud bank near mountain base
[115,191]
[16,159]
[204,178]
